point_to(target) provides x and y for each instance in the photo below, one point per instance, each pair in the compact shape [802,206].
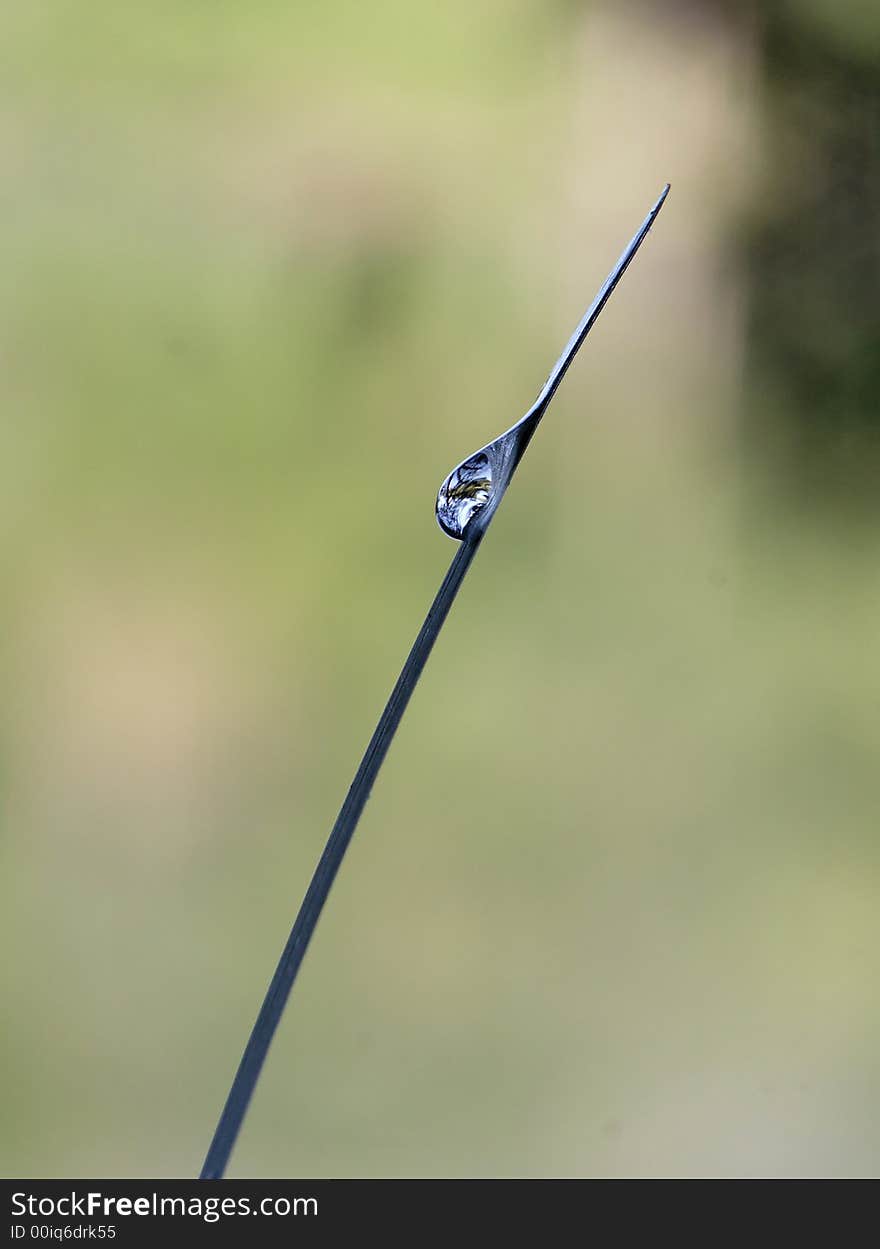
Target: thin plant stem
[466,506]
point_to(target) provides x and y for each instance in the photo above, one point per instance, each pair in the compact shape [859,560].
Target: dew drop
[465,492]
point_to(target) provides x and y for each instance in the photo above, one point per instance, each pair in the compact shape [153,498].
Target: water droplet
[475,487]
[465,492]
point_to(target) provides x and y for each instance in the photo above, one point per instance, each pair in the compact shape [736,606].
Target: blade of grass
[471,535]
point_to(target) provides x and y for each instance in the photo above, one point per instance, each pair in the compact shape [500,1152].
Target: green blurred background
[269,272]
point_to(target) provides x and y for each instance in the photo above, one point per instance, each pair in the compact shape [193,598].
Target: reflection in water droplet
[465,492]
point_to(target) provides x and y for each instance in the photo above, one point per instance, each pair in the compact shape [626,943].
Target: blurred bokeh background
[269,271]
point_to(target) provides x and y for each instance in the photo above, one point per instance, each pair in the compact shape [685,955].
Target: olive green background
[268,272]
